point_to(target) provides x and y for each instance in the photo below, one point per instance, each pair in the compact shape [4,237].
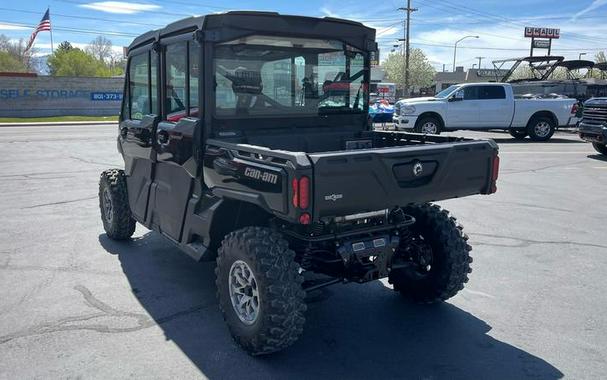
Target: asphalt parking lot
[75,304]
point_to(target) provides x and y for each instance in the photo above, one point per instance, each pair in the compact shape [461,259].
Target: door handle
[162,137]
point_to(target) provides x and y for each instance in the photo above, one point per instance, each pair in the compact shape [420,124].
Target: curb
[56,123]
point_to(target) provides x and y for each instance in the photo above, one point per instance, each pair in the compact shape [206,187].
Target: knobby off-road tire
[114,205]
[280,316]
[518,134]
[450,262]
[541,128]
[601,148]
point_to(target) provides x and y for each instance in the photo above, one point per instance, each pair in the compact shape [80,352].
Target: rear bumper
[404,121]
[596,133]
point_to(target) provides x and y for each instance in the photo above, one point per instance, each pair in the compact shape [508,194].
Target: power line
[81,17]
[74,30]
[503,19]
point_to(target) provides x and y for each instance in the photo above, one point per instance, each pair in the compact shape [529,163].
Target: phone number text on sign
[106,96]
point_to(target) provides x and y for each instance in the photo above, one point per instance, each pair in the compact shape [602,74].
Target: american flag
[44,25]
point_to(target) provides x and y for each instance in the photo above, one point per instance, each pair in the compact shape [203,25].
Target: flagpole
[51,31]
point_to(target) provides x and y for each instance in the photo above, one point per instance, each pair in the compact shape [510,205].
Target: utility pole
[406,39]
[479,61]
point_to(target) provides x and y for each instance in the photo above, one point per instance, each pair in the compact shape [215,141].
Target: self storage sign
[532,32]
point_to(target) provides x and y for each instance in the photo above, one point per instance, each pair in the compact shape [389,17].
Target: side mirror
[458,96]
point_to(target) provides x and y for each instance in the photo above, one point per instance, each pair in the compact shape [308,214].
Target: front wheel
[541,128]
[428,125]
[259,290]
[601,148]
[438,254]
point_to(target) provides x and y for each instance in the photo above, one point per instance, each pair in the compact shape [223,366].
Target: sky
[435,26]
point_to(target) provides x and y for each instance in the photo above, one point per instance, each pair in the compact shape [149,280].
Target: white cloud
[120,7]
[594,5]
[383,29]
[575,38]
[12,27]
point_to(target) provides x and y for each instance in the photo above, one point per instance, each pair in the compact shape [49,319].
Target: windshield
[281,76]
[443,94]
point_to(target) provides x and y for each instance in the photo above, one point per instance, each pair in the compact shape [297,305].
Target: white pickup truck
[482,106]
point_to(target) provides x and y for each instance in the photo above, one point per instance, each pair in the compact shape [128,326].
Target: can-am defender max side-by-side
[246,140]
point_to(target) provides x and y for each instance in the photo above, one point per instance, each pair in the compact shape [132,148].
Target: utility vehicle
[483,106]
[246,140]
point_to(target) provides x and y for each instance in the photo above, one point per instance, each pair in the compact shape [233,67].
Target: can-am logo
[261,176]
[333,197]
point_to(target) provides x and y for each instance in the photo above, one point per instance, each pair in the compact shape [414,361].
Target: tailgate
[352,182]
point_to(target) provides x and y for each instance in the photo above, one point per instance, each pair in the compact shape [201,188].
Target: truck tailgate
[357,181]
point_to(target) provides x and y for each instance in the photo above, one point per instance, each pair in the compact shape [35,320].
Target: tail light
[301,192]
[495,169]
[304,192]
[574,108]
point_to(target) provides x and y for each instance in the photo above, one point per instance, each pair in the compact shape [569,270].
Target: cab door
[177,136]
[138,122]
[464,112]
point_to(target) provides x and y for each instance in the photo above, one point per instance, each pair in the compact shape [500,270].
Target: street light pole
[455,48]
[580,56]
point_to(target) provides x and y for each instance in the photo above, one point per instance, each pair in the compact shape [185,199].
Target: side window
[139,101]
[182,72]
[195,72]
[176,64]
[471,93]
[154,82]
[492,92]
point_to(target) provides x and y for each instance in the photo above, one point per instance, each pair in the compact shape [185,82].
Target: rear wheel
[428,125]
[541,128]
[259,290]
[518,134]
[114,205]
[601,148]
[440,254]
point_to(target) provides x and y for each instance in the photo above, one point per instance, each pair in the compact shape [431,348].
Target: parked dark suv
[593,126]
[246,140]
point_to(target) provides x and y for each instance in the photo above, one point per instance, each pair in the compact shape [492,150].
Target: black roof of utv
[235,24]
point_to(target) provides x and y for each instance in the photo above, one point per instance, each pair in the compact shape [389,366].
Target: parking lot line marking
[532,152]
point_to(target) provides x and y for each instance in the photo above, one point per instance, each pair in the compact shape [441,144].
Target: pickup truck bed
[375,171]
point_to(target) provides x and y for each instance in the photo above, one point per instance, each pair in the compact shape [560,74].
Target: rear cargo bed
[357,181]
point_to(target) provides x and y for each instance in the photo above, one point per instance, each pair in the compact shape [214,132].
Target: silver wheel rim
[244,293]
[542,129]
[107,205]
[429,128]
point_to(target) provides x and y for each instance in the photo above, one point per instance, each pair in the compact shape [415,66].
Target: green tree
[70,61]
[421,72]
[64,46]
[15,55]
[75,62]
[10,63]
